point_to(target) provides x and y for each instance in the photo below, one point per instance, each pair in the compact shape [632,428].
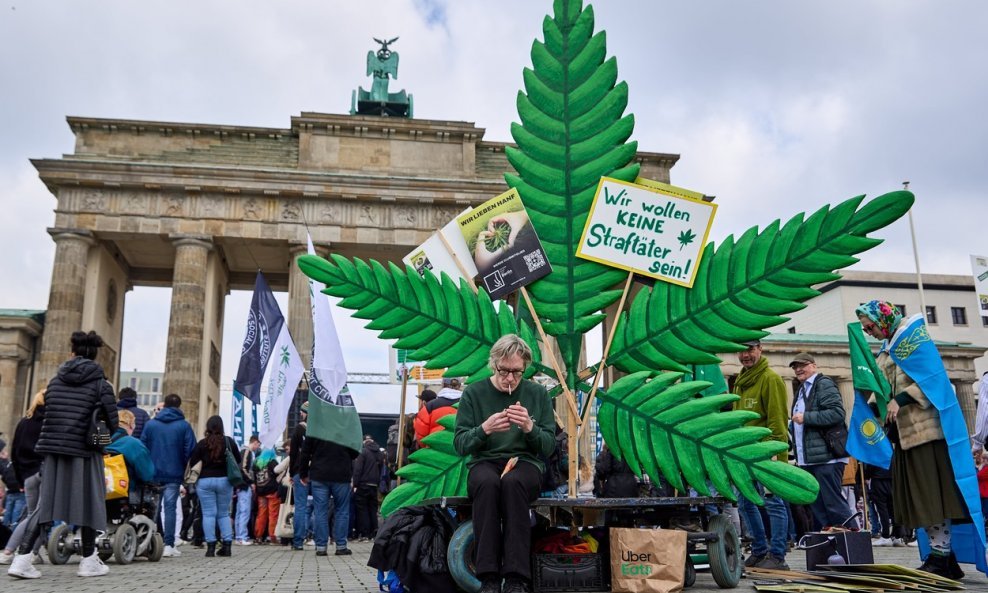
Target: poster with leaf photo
[503,244]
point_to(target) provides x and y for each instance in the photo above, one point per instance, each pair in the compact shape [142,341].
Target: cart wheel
[156,547]
[725,553]
[459,556]
[690,577]
[124,543]
[60,544]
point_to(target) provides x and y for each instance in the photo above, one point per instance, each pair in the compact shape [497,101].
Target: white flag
[284,374]
[332,415]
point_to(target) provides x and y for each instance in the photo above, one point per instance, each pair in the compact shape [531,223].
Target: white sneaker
[92,566]
[6,557]
[246,542]
[310,543]
[882,542]
[180,542]
[21,568]
[898,542]
[170,552]
[913,544]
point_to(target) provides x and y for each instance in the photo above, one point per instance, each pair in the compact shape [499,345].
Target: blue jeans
[13,505]
[169,498]
[321,493]
[215,496]
[301,493]
[779,518]
[244,501]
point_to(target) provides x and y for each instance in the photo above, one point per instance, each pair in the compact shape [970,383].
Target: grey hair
[509,345]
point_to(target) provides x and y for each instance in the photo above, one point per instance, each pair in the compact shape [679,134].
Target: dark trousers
[501,523]
[830,508]
[881,495]
[366,506]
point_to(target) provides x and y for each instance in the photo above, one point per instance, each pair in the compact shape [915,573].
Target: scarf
[883,313]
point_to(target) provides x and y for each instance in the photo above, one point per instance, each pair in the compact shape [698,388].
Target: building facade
[952,309]
[147,385]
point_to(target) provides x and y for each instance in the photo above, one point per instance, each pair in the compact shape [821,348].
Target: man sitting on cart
[504,425]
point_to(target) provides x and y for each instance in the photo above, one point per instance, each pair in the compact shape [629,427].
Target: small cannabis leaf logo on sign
[285,356]
[685,238]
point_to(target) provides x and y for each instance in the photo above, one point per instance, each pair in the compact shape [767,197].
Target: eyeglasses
[503,373]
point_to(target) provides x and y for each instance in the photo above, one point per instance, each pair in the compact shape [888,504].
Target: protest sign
[444,251]
[646,230]
[503,244]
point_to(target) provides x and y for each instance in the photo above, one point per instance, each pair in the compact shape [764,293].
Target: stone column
[10,404]
[65,300]
[183,358]
[965,397]
[300,306]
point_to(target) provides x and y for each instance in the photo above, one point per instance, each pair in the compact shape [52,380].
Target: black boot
[210,549]
[224,549]
[936,564]
[953,569]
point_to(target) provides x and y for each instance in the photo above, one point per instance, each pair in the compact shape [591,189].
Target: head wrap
[883,313]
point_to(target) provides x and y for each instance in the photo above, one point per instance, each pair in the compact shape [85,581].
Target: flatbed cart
[718,539]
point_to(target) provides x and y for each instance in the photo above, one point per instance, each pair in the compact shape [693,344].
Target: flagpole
[864,496]
[919,276]
[401,419]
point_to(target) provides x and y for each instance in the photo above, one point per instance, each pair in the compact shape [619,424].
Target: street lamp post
[919,276]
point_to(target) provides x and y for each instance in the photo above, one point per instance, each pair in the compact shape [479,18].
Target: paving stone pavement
[278,569]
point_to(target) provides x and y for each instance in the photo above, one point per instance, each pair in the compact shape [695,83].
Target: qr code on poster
[534,261]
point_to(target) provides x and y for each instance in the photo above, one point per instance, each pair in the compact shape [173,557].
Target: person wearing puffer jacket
[72,483]
[427,419]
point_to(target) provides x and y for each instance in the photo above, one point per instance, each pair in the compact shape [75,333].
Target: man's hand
[498,422]
[519,416]
[797,417]
[515,221]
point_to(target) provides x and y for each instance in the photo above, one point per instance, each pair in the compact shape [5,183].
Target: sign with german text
[503,243]
[979,265]
[646,230]
[444,251]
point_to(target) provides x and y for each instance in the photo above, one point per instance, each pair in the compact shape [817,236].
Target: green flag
[865,373]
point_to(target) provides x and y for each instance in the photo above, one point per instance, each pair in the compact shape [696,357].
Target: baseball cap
[751,343]
[802,358]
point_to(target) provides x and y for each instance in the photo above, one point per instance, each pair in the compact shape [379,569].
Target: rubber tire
[124,543]
[60,544]
[156,547]
[726,565]
[689,579]
[459,556]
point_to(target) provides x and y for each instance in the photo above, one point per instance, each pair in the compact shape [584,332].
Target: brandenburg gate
[201,208]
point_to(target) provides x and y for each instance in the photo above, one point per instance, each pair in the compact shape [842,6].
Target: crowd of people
[206,490]
[516,452]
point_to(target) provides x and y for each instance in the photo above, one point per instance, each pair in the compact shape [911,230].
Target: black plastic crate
[569,572]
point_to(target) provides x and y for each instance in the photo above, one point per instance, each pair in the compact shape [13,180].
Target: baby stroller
[131,531]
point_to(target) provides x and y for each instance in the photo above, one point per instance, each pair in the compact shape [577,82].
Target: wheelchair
[131,531]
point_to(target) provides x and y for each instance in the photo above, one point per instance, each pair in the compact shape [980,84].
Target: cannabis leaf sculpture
[747,285]
[662,427]
[434,471]
[447,325]
[573,131]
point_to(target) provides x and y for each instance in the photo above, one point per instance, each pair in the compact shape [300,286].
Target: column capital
[59,234]
[297,248]
[180,239]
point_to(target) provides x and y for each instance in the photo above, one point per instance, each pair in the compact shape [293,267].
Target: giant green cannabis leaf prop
[573,131]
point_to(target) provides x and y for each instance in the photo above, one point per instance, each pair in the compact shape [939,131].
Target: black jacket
[77,389]
[324,461]
[26,460]
[367,467]
[295,453]
[618,479]
[412,542]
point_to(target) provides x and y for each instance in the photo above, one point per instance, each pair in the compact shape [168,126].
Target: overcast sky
[776,107]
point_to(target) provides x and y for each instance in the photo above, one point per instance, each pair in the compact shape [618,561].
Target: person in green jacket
[762,391]
[504,424]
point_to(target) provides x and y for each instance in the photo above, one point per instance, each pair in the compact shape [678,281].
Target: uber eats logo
[635,564]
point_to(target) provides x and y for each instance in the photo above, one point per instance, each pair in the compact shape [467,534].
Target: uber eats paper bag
[647,560]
